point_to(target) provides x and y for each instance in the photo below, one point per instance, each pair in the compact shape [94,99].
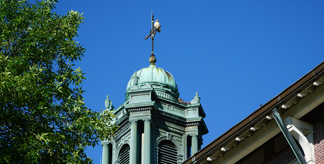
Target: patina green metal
[108,104]
[153,113]
[134,143]
[288,136]
[154,76]
[105,155]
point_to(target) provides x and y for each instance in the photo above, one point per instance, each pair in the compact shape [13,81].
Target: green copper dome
[161,80]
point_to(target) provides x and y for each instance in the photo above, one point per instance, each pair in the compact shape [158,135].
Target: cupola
[160,79]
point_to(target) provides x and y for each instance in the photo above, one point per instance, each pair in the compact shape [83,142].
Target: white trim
[303,133]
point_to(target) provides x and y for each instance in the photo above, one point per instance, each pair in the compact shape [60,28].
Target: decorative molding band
[139,109]
[169,136]
[180,122]
[122,133]
[119,111]
[193,124]
[165,95]
[122,130]
[166,118]
[120,137]
[120,120]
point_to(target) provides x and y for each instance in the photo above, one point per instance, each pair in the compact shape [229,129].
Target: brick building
[259,139]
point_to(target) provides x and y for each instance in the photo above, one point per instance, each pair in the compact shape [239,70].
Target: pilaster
[194,146]
[105,153]
[133,144]
[147,141]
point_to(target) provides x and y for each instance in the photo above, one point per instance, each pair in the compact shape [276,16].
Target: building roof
[285,99]
[158,77]
[154,74]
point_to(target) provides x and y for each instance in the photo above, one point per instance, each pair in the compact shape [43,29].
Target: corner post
[105,153]
[133,144]
[147,141]
[194,144]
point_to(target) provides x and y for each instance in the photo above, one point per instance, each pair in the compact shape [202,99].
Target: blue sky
[236,54]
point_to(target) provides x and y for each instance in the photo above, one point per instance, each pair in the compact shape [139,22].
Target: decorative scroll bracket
[288,136]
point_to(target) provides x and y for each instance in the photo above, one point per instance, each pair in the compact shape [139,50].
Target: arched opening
[110,153]
[167,152]
[188,146]
[123,156]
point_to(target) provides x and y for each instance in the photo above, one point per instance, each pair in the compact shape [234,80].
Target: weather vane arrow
[155,27]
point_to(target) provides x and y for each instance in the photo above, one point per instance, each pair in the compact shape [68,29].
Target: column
[194,144]
[105,153]
[133,144]
[147,141]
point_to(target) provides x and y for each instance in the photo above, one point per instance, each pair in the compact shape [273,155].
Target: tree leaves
[43,117]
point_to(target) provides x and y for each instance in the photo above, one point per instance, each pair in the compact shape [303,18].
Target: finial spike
[196,99]
[108,104]
[152,59]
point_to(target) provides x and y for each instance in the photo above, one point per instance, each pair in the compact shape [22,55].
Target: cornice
[139,109]
[140,105]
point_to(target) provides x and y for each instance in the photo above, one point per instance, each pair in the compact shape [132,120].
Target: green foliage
[43,117]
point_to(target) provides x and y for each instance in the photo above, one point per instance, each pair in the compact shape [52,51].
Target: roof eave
[287,94]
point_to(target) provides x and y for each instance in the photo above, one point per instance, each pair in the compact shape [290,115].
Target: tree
[43,117]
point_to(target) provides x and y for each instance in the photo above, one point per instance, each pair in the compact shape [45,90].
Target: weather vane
[155,27]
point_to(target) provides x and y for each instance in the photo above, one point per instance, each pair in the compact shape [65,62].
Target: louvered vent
[167,153]
[124,155]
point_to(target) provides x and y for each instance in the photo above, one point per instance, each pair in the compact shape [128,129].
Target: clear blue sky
[236,54]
